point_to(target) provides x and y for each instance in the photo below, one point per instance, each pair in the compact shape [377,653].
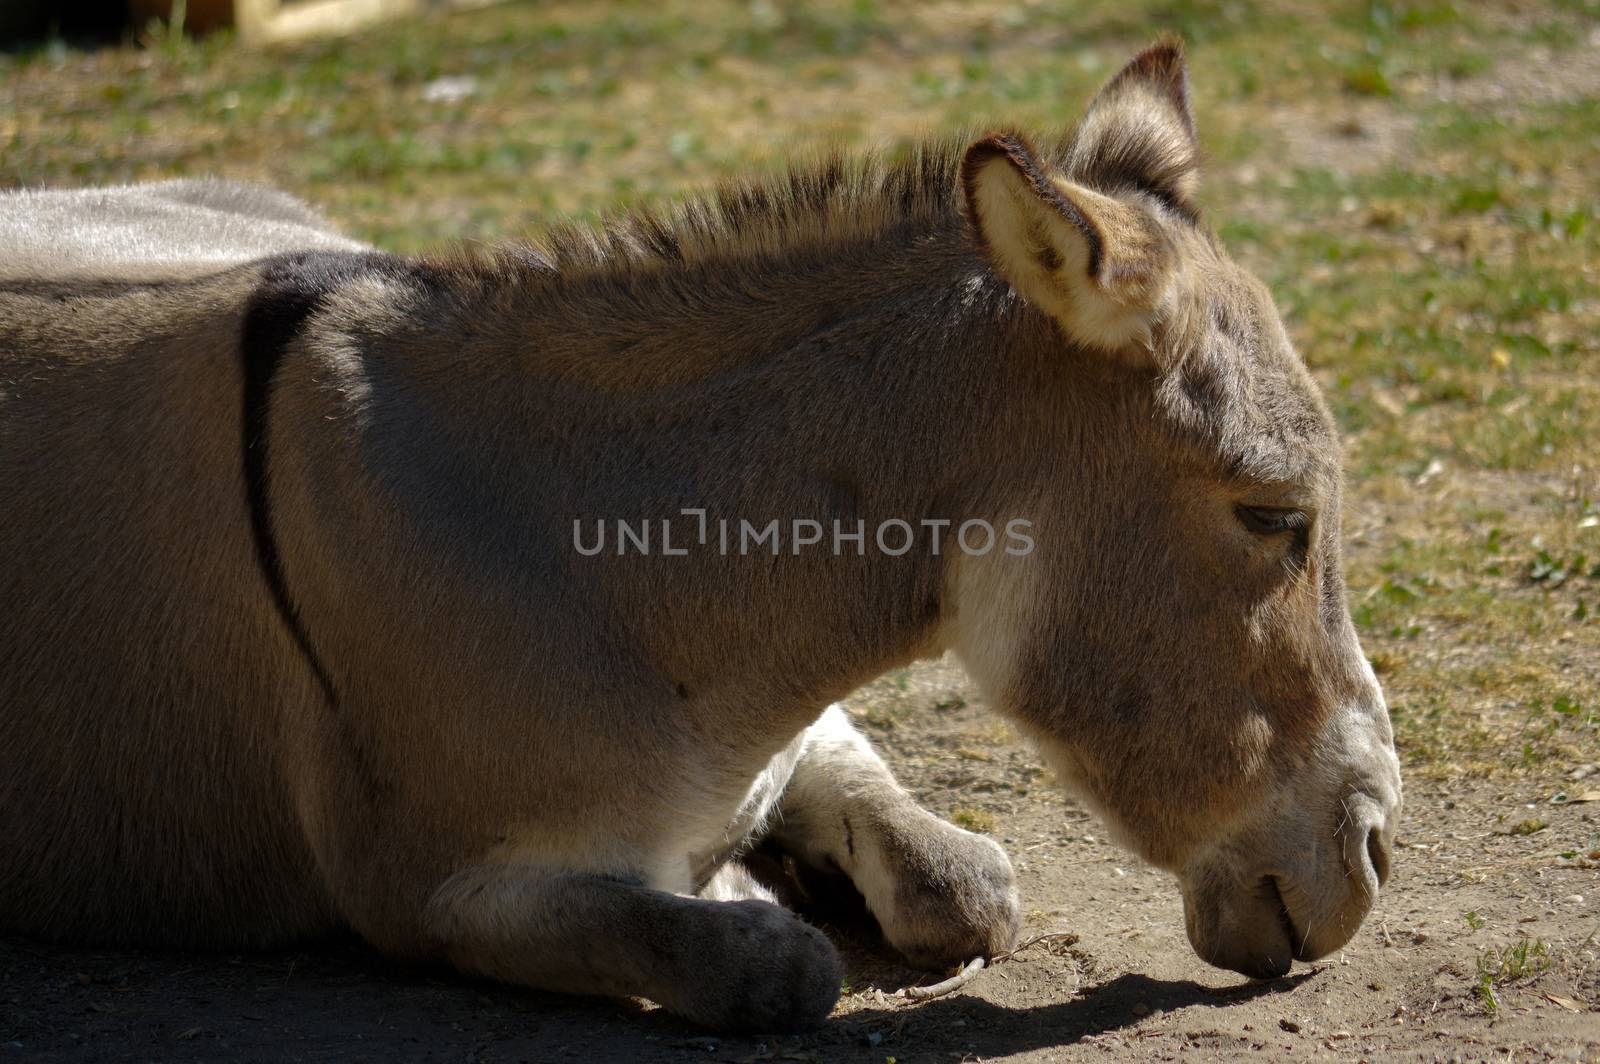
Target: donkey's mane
[827,200]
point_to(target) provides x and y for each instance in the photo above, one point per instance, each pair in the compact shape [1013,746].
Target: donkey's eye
[1269,521]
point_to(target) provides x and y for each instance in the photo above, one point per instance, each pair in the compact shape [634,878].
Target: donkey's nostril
[1378,854]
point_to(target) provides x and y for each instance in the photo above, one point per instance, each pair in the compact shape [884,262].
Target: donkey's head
[1178,642]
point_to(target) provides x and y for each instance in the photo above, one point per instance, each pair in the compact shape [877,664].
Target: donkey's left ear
[1098,264]
[1138,134]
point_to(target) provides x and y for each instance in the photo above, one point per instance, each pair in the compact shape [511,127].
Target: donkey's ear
[1138,134]
[1097,264]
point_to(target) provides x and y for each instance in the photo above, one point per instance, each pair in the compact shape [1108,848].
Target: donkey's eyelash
[1266,520]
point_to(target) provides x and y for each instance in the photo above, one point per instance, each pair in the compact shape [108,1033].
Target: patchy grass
[1502,967]
[974,819]
[1413,178]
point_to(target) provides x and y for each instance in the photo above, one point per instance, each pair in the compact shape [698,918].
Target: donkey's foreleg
[942,895]
[731,965]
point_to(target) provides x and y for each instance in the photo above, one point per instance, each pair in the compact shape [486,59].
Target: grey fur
[344,668]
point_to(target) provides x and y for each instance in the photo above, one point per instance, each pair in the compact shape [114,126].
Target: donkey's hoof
[768,972]
[955,896]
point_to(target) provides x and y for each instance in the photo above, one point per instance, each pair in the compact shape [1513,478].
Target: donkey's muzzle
[1303,903]
[1251,933]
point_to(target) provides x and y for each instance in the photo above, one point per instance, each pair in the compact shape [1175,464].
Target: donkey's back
[145,233]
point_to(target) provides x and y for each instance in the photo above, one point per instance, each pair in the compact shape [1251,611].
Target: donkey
[299,631]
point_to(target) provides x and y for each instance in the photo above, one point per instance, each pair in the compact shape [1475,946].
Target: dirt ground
[1113,973]
[1416,182]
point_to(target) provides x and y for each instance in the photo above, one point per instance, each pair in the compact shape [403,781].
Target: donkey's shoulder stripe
[292,288]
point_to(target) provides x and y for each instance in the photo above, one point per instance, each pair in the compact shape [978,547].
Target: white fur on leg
[733,882]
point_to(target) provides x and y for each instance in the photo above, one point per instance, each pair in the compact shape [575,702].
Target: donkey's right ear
[1097,264]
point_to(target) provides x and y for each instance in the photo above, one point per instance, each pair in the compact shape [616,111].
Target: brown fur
[326,656]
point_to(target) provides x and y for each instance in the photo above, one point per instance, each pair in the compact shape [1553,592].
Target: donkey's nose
[1378,854]
[1368,833]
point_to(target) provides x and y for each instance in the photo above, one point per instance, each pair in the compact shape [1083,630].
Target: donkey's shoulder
[170,230]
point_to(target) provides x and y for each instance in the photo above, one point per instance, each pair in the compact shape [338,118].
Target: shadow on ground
[341,1001]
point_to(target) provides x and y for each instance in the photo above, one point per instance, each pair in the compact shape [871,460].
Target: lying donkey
[304,626]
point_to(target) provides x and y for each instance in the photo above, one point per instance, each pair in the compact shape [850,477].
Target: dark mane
[827,200]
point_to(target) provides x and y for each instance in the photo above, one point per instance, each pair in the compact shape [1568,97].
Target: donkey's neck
[698,407]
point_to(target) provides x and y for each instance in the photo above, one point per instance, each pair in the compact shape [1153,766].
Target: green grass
[1414,180]
[974,819]
[1499,968]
